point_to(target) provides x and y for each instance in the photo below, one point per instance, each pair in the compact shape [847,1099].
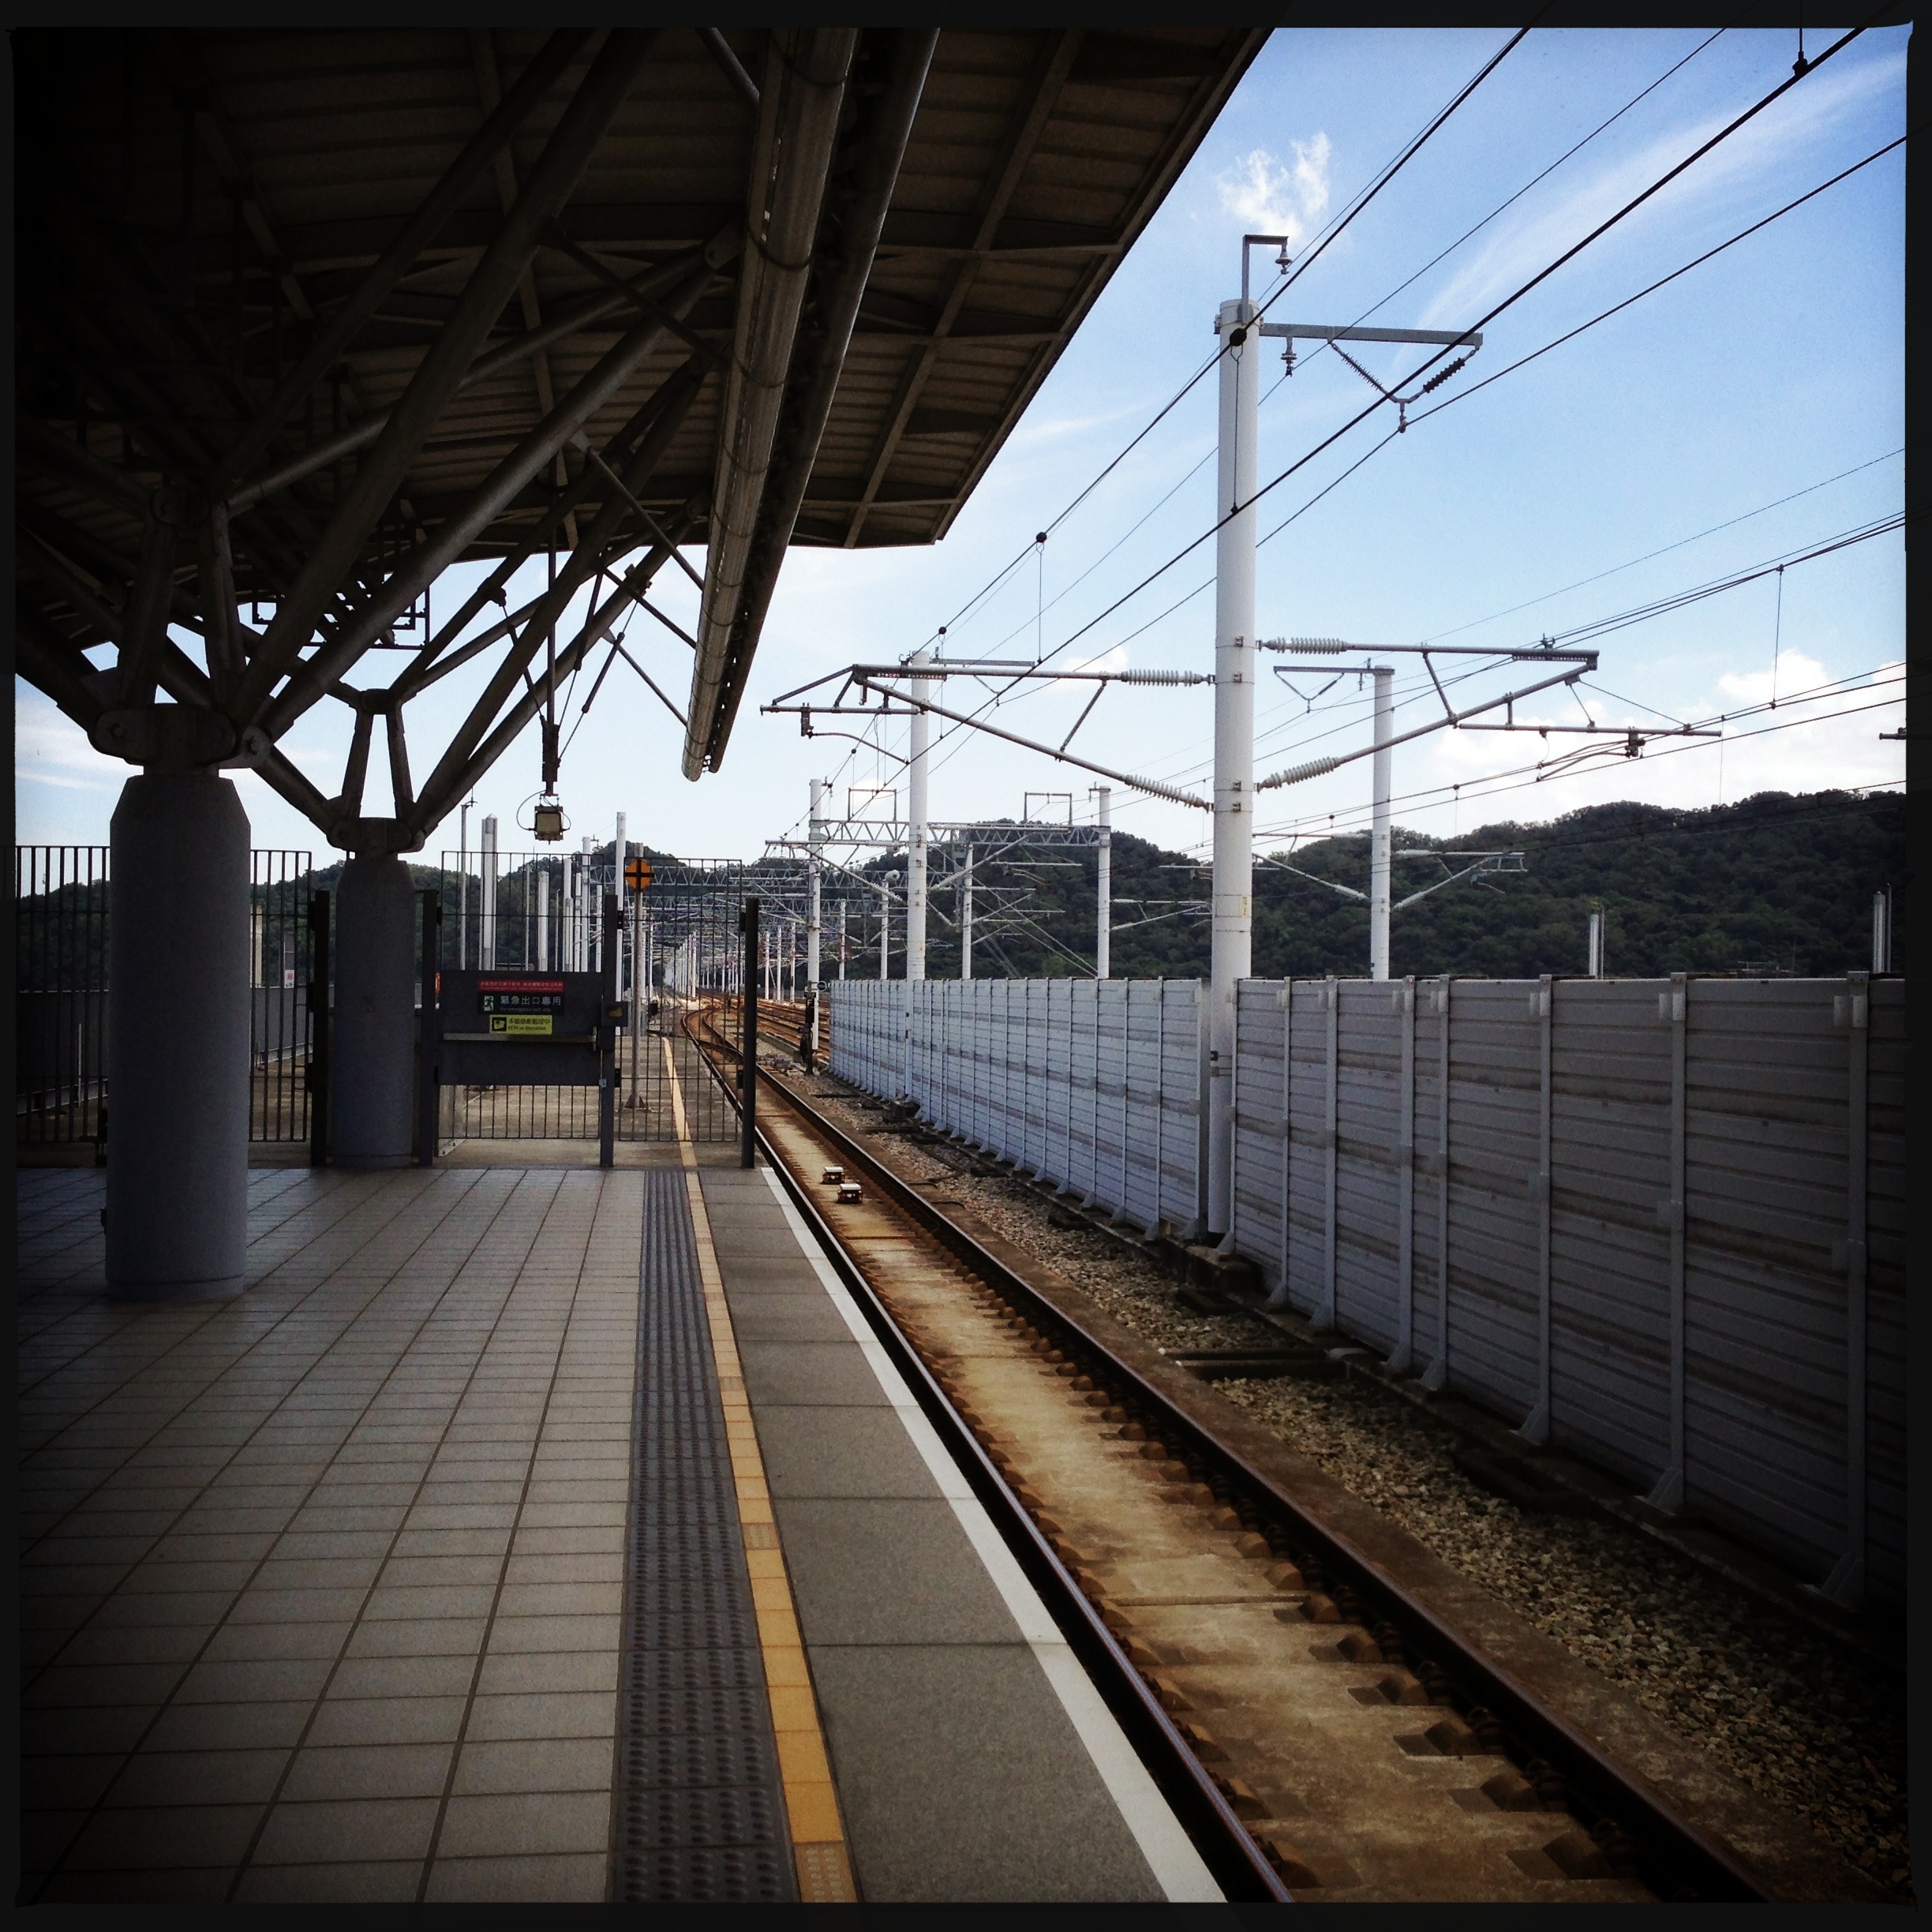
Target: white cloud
[50,749]
[1268,195]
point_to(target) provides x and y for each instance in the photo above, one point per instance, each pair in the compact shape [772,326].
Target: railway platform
[527,1533]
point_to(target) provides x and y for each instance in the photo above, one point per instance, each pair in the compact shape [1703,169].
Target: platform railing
[61,929]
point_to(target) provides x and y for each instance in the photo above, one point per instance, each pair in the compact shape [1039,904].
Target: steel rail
[1225,1844]
[1669,1846]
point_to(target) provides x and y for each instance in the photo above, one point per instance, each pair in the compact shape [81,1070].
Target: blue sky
[1768,371]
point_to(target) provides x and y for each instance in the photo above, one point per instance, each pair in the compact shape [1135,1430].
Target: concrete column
[177,1040]
[372,1085]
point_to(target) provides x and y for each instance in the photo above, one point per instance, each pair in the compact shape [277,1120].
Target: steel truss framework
[306,318]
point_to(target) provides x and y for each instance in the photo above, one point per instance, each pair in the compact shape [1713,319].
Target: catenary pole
[1103,881]
[814,841]
[486,956]
[920,816]
[966,916]
[1379,834]
[462,884]
[1231,956]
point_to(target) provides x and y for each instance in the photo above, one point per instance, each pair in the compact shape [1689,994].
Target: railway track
[1320,1731]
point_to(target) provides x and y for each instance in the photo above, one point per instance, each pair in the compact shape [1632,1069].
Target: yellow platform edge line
[819,1849]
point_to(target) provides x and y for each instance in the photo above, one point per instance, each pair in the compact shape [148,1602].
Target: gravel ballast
[1803,1720]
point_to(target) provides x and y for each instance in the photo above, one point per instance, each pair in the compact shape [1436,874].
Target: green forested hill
[1779,880]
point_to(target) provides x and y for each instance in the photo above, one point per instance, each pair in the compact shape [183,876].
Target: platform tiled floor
[321,1589]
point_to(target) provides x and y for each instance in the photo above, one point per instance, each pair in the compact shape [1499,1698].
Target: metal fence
[60,1011]
[1095,1084]
[60,927]
[1660,1223]
[543,911]
[281,967]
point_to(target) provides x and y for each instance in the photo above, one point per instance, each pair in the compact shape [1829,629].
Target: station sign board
[516,1029]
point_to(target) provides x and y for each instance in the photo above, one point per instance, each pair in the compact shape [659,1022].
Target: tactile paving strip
[700,1813]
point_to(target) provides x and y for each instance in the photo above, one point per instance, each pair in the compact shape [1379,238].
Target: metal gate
[60,937]
[678,945]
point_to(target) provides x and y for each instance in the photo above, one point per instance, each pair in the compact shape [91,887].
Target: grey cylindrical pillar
[177,1040]
[372,1081]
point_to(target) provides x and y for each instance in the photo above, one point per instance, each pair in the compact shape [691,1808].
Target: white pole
[1378,835]
[966,912]
[841,942]
[1103,880]
[487,957]
[1233,948]
[617,886]
[915,856]
[543,917]
[462,889]
[587,904]
[1882,929]
[885,933]
[1596,943]
[814,906]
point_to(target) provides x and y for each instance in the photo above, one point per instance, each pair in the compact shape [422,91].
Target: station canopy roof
[305,316]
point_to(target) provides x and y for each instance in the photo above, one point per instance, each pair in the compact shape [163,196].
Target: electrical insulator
[1443,374]
[1298,774]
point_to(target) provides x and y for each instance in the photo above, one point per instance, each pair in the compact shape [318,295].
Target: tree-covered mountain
[1778,881]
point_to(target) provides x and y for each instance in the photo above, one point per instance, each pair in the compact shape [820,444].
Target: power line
[1543,274]
[1649,555]
[1462,395]
[1622,621]
[1508,302]
[1492,785]
[1401,161]
[1207,583]
[1307,260]
[1817,694]
[1329,235]
[1567,154]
